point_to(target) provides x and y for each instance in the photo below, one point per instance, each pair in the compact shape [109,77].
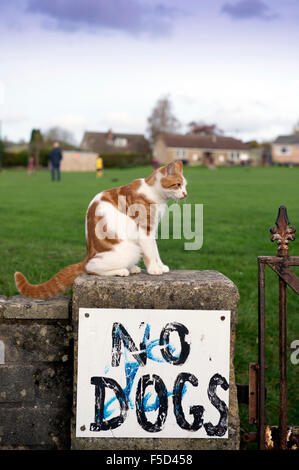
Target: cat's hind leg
[116,272]
[96,266]
[120,261]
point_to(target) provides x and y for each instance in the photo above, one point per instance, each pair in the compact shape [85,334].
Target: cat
[120,227]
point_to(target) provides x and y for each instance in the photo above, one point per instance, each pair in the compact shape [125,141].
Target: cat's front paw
[155,270]
[165,268]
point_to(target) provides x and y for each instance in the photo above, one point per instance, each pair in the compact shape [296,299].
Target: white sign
[153,373]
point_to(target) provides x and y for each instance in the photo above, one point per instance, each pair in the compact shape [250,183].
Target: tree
[162,120]
[35,145]
[253,144]
[2,150]
[58,134]
[296,128]
[200,128]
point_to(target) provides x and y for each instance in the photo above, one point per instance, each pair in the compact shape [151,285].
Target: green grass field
[42,230]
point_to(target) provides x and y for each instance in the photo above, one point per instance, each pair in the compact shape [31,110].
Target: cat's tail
[56,285]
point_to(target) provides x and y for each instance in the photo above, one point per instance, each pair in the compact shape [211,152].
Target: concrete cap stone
[20,307]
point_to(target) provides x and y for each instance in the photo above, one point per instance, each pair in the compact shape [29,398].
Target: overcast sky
[99,64]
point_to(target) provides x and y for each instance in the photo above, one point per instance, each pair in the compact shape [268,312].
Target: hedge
[11,159]
[2,151]
[111,160]
[125,160]
[44,156]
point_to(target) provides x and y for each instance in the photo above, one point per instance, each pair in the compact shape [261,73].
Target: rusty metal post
[261,355]
[282,364]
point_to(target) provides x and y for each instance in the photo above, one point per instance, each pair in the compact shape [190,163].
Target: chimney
[110,135]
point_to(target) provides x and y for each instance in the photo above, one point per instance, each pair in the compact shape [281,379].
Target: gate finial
[283,232]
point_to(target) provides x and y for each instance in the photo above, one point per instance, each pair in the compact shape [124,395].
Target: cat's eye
[179,185]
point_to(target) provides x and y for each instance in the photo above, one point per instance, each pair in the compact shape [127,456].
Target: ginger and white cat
[120,227]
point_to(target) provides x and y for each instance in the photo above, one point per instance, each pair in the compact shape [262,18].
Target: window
[234,155]
[120,142]
[285,150]
[180,153]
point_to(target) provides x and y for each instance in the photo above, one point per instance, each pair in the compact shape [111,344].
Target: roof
[105,142]
[203,141]
[287,139]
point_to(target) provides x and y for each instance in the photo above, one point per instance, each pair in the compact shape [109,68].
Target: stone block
[20,307]
[34,428]
[34,341]
[36,373]
[182,290]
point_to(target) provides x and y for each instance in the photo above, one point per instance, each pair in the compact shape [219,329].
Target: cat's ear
[170,169]
[179,166]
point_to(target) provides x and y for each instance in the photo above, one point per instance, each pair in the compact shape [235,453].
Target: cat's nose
[184,194]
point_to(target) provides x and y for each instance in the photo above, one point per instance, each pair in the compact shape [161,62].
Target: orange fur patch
[172,174]
[95,245]
[132,197]
[57,284]
[150,180]
[171,181]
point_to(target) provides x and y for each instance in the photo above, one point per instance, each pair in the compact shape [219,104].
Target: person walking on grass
[31,165]
[55,158]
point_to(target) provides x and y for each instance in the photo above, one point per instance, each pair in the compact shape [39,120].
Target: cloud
[15,118]
[248,9]
[252,120]
[121,121]
[130,16]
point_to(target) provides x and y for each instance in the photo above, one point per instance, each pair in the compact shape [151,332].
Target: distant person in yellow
[100,166]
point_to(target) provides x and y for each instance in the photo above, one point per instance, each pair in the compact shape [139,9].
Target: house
[196,149]
[109,142]
[285,150]
[260,155]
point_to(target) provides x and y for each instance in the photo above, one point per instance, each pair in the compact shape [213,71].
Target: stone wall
[38,357]
[36,370]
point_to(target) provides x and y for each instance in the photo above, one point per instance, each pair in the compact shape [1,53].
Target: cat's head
[172,181]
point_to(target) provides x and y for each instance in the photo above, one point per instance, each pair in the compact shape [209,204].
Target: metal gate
[283,436]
